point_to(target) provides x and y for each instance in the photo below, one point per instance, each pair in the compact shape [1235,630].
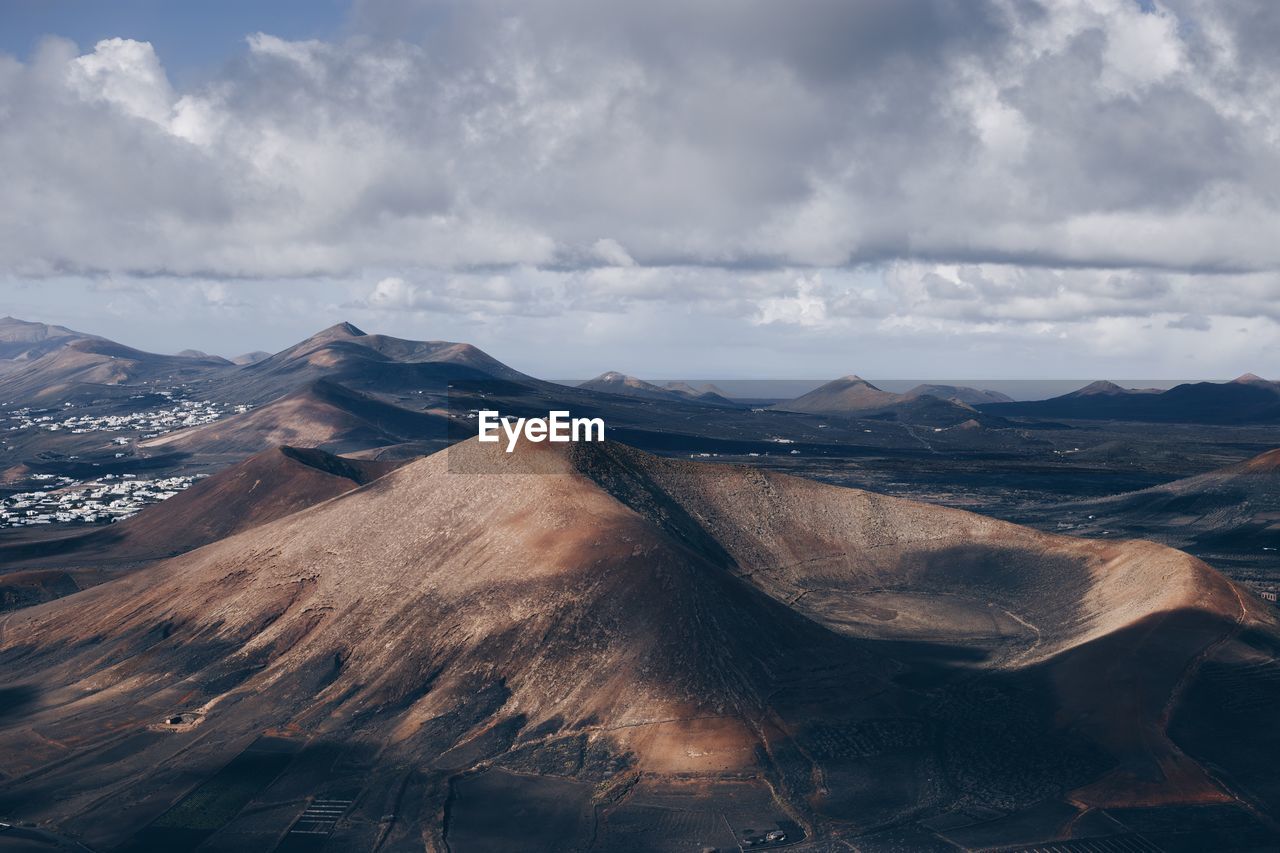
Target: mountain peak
[1102,386]
[338,331]
[613,377]
[345,330]
[1250,379]
[13,330]
[847,394]
[251,357]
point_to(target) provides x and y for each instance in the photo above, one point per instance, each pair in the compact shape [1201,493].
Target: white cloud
[1143,48]
[126,74]
[988,168]
[805,307]
[610,252]
[1092,132]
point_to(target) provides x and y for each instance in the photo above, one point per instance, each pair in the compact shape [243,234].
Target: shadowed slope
[613,382]
[345,354]
[924,405]
[1233,510]
[797,536]
[261,489]
[959,393]
[1248,399]
[668,623]
[22,342]
[841,396]
[323,414]
[96,361]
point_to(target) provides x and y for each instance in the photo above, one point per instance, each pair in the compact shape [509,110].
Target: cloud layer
[973,163]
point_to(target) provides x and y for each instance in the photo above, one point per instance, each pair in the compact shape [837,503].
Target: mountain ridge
[481,609]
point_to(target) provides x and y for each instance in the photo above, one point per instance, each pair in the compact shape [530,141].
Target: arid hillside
[261,489]
[86,363]
[322,414]
[641,654]
[1229,516]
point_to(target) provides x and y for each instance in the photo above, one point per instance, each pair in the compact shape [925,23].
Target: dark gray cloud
[904,166]
[817,133]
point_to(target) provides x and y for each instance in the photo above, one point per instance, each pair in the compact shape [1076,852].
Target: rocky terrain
[645,654]
[1246,399]
[924,405]
[613,382]
[407,646]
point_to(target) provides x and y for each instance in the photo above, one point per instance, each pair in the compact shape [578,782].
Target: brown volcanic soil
[925,405]
[323,414]
[261,489]
[342,353]
[840,397]
[681,639]
[96,361]
[1231,512]
[22,342]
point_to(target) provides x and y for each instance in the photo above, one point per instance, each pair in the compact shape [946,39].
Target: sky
[728,188]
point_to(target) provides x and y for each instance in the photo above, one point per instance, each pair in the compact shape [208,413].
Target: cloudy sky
[726,188]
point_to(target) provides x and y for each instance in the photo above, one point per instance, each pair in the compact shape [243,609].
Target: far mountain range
[41,361]
[287,602]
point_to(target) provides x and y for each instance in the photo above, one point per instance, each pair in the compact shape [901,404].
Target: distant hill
[262,488]
[846,395]
[707,394]
[97,361]
[929,411]
[22,342]
[258,490]
[1236,509]
[55,364]
[927,405]
[959,393]
[321,414]
[204,356]
[1248,399]
[613,382]
[345,354]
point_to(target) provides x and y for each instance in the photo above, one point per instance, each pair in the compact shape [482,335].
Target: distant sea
[1018,389]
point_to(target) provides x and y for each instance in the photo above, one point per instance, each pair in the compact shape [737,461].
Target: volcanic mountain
[959,394]
[613,382]
[929,411]
[1230,510]
[96,362]
[371,363]
[262,488]
[1247,399]
[195,353]
[852,396]
[22,341]
[708,393]
[1106,388]
[322,414]
[587,647]
[841,396]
